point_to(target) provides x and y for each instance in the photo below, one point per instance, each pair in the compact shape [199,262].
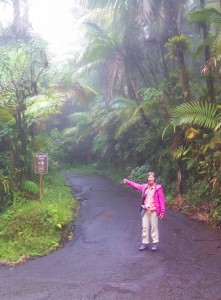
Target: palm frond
[95,52]
[100,34]
[146,9]
[109,118]
[122,102]
[108,4]
[127,124]
[90,90]
[43,105]
[5,183]
[88,68]
[196,113]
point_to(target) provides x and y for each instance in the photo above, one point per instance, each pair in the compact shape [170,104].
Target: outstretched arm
[133,185]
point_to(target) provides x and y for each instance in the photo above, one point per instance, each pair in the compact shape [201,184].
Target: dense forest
[141,93]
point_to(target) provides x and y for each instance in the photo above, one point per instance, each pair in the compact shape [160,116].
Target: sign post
[41,167]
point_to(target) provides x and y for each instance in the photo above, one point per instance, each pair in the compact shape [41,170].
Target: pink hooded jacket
[159,198]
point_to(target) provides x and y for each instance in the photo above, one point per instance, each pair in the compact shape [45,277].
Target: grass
[34,228]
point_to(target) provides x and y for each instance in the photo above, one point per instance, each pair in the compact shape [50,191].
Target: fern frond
[79,117]
[209,14]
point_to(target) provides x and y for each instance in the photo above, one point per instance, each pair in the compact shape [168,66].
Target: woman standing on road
[153,207]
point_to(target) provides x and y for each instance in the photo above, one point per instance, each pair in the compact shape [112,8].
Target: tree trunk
[207,54]
[173,18]
[152,70]
[184,75]
[165,68]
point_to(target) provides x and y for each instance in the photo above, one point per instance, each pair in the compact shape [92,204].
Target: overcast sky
[55,20]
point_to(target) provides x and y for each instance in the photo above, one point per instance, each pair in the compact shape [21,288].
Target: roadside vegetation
[33,227]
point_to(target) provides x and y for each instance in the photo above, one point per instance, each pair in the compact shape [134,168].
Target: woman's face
[150,179]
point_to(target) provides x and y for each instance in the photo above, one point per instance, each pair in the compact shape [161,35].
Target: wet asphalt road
[103,262]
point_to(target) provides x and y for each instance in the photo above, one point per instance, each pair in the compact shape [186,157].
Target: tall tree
[176,48]
[20,28]
[199,18]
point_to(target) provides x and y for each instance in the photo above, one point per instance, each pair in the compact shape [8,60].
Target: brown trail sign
[41,167]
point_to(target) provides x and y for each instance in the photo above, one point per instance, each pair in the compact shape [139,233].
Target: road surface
[102,261]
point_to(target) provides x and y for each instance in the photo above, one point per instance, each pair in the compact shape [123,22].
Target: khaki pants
[150,225]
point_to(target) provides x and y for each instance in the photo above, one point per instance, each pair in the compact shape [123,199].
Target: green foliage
[180,152]
[177,44]
[203,199]
[199,193]
[196,113]
[209,15]
[30,186]
[131,115]
[4,183]
[53,147]
[141,91]
[33,228]
[40,107]
[99,143]
[216,215]
[139,174]
[150,94]
[200,151]
[21,66]
[119,127]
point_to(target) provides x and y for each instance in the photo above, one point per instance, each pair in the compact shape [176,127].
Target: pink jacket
[159,198]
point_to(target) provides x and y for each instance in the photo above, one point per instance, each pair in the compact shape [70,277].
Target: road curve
[103,262]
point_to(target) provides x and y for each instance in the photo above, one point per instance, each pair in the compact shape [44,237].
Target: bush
[139,174]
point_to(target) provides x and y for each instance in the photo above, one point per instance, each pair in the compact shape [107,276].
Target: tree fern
[209,15]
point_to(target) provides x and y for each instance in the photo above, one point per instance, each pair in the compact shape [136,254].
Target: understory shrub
[139,174]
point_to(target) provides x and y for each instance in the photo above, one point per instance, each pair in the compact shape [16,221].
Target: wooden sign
[41,163]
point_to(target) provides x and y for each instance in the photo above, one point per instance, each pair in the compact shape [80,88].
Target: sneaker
[143,247]
[154,247]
